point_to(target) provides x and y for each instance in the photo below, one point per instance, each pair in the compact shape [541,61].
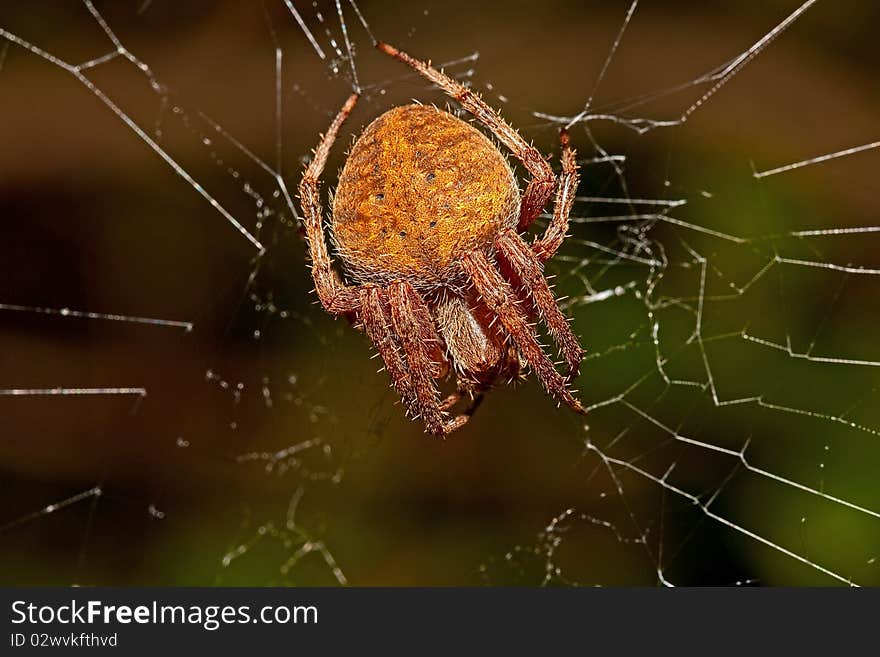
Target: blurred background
[268,451]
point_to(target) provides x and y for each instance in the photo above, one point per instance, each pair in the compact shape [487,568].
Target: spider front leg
[540,187]
[335,296]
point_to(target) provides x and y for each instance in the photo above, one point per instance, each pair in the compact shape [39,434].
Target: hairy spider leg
[526,273]
[415,329]
[542,182]
[547,245]
[501,298]
[377,323]
[335,296]
[396,318]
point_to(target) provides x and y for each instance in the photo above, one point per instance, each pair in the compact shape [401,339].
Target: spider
[426,220]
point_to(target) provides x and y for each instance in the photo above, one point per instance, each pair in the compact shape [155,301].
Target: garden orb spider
[426,220]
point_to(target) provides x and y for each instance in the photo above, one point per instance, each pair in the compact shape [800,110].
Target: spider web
[177,412]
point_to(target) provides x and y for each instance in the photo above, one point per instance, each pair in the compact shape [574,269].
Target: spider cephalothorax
[426,220]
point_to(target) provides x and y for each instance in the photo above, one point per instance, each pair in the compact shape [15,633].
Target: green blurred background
[92,219]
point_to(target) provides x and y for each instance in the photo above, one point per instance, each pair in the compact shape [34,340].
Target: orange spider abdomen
[420,189]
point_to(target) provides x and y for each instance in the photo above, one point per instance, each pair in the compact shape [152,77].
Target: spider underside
[426,221]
